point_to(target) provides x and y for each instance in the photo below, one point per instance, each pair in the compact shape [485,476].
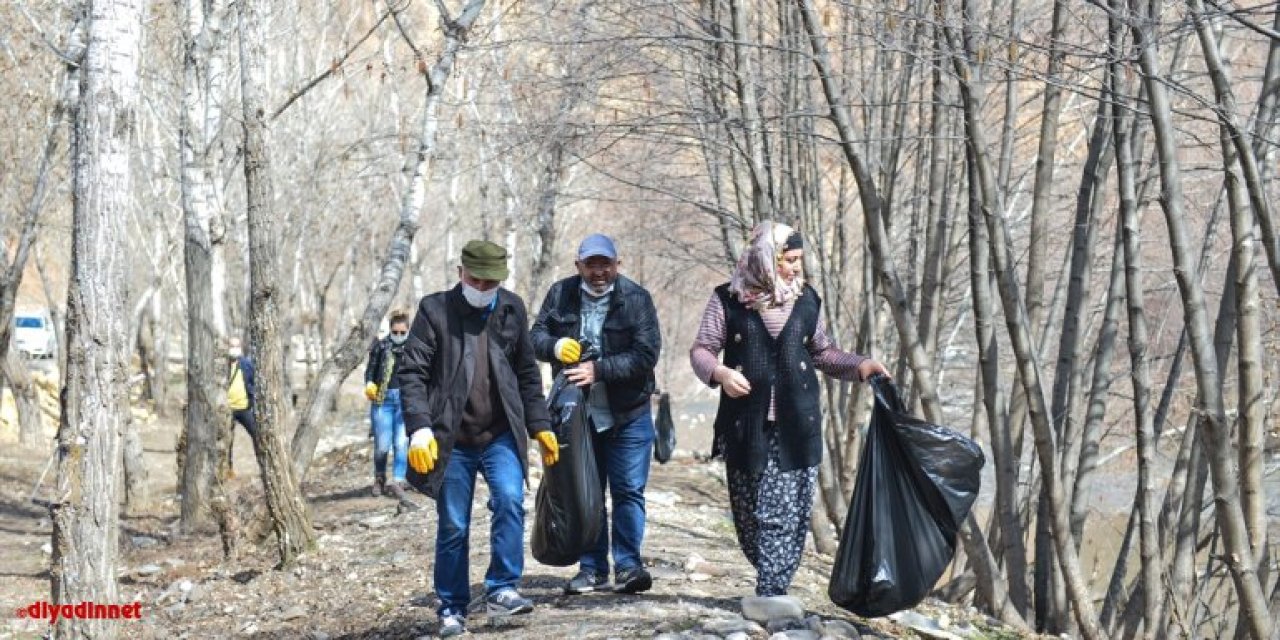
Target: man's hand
[371,391]
[423,451]
[871,367]
[568,350]
[583,375]
[735,384]
[550,447]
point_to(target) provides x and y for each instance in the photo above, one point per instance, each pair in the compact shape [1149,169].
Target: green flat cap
[485,260]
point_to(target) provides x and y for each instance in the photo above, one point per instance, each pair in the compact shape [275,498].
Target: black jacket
[435,374]
[780,368]
[378,354]
[632,340]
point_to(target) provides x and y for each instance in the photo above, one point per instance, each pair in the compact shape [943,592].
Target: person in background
[616,316]
[472,394]
[386,417]
[240,395]
[768,324]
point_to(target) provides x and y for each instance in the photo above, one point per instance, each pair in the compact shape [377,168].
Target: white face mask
[398,339]
[597,292]
[477,298]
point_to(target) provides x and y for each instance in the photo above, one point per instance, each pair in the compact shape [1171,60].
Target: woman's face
[791,265]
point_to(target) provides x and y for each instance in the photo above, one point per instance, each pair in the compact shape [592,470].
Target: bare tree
[288,511]
[203,67]
[417,166]
[94,402]
[1222,464]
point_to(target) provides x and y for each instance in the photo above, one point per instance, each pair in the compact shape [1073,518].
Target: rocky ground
[370,576]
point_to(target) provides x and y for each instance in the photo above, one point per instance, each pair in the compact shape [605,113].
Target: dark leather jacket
[631,335]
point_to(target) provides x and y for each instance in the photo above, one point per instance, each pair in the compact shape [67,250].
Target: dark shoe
[379,486]
[452,624]
[508,602]
[634,580]
[585,582]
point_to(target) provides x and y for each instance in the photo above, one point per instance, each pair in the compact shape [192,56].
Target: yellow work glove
[550,447]
[423,451]
[371,391]
[568,350]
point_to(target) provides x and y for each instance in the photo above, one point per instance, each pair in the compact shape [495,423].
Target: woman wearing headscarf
[768,324]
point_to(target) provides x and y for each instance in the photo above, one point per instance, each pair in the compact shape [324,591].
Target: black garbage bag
[665,443]
[916,483]
[569,508]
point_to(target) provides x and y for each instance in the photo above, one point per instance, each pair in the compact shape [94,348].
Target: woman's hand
[735,384]
[870,368]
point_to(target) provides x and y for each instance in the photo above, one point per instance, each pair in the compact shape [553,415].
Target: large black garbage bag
[665,442]
[916,483]
[570,502]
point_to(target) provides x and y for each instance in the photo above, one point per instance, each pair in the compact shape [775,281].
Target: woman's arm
[704,356]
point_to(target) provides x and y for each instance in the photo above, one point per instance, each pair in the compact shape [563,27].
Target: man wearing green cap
[472,396]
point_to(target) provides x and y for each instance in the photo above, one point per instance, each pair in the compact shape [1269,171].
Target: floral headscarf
[755,281]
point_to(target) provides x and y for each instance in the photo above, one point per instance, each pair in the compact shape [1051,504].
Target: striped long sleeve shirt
[709,342]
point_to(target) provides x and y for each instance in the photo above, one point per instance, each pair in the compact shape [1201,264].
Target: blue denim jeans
[622,460]
[388,433]
[499,462]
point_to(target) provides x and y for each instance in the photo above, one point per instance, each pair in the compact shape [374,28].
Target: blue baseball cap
[597,244]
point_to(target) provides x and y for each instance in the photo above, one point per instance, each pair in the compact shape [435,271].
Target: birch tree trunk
[289,518]
[206,410]
[351,349]
[85,512]
[1222,465]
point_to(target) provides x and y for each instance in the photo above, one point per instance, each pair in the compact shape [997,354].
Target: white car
[33,334]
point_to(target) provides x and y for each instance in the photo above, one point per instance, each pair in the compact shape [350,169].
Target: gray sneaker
[452,624]
[508,602]
[586,581]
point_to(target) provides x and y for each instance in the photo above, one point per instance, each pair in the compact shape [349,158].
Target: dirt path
[371,576]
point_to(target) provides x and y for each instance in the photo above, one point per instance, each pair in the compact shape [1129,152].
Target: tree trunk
[135,468]
[289,518]
[921,364]
[94,399]
[26,397]
[1014,549]
[351,349]
[205,407]
[1028,363]
[1240,161]
[1135,293]
[1222,464]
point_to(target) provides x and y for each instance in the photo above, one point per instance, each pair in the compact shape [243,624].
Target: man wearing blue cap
[616,316]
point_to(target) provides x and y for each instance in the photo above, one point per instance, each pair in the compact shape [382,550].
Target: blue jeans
[388,433]
[622,460]
[499,462]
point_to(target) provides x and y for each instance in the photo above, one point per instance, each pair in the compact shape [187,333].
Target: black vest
[781,364]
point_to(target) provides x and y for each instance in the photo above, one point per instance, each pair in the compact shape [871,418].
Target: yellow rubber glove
[550,447]
[568,350]
[423,451]
[371,391]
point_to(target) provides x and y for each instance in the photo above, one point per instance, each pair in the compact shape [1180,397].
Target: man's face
[474,282]
[598,272]
[400,329]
